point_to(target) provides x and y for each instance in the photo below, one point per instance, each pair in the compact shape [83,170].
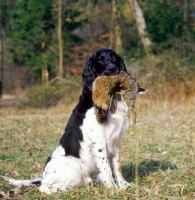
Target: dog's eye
[101,59]
[112,56]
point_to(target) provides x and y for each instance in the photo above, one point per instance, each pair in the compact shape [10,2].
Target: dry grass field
[157,156]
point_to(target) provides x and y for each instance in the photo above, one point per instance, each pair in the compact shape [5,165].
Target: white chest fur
[110,132]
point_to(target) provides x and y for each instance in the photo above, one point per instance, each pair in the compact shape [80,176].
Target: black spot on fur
[36,182]
[100,150]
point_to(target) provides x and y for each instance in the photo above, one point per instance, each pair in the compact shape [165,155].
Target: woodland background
[46,43]
[44,46]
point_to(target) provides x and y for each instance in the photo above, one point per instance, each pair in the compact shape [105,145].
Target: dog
[88,152]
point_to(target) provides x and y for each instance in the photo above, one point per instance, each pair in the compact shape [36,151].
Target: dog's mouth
[111,72]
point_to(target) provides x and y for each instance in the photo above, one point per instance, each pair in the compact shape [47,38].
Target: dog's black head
[104,62]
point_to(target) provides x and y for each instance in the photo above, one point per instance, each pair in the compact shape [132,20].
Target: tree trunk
[115,34]
[45,73]
[60,73]
[1,54]
[185,13]
[140,21]
[112,26]
[118,43]
[1,66]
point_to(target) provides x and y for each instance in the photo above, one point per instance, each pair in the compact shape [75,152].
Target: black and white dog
[89,151]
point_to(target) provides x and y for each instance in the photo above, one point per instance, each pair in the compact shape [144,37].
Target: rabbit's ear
[142,91]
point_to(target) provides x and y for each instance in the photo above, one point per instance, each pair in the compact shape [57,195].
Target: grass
[161,148]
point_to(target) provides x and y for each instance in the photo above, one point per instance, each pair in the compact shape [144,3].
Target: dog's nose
[112,69]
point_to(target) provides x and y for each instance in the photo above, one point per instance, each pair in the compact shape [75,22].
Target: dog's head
[104,62]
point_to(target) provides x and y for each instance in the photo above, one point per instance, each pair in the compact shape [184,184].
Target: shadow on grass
[145,168]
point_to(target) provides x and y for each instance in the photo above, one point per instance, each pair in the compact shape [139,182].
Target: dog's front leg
[101,160]
[120,181]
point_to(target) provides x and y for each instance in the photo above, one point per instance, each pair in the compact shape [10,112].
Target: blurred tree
[60,71]
[5,23]
[1,49]
[34,35]
[185,12]
[94,31]
[115,29]
[140,22]
[188,9]
[170,24]
[164,20]
[31,36]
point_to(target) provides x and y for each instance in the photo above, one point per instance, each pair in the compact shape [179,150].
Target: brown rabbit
[104,87]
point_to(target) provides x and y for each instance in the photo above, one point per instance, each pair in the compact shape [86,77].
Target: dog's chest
[109,132]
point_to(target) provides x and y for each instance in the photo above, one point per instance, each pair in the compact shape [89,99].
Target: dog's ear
[89,74]
[122,64]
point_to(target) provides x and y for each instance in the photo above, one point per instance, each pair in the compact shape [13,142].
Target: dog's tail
[31,182]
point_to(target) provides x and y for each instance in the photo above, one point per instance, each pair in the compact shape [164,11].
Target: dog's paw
[122,184]
[45,189]
[87,180]
[109,183]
